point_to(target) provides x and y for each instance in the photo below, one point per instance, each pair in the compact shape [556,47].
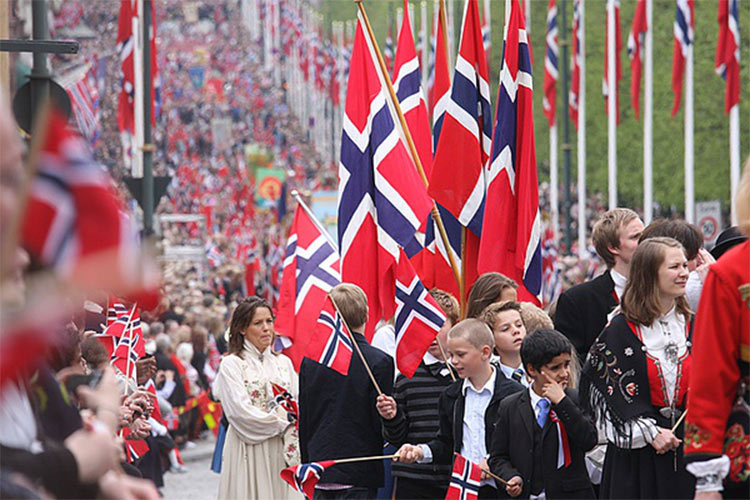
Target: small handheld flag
[465,480]
[304,477]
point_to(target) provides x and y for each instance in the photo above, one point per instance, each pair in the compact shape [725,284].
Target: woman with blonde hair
[636,376]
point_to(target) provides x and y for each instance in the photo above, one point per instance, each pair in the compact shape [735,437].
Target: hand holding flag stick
[679,421]
[409,140]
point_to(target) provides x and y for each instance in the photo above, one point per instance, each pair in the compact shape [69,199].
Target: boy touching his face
[541,435]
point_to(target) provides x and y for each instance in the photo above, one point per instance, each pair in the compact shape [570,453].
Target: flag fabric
[575,65]
[728,51]
[311,268]
[465,479]
[511,236]
[551,269]
[84,101]
[134,449]
[407,83]
[72,220]
[466,133]
[618,66]
[331,342]
[636,40]
[549,100]
[304,477]
[439,88]
[130,346]
[286,400]
[382,200]
[418,318]
[564,458]
[116,309]
[684,35]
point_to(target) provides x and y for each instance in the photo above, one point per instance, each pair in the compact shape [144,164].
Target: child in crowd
[410,416]
[467,409]
[535,318]
[487,289]
[541,435]
[508,330]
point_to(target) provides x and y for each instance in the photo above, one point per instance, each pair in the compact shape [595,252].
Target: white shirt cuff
[427,452]
[709,473]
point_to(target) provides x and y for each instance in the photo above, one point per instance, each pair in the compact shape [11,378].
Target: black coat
[512,451]
[451,410]
[338,418]
[582,311]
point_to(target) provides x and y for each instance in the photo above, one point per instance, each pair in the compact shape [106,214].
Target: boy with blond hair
[508,330]
[467,408]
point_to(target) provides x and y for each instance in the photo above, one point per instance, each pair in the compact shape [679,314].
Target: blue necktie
[543,406]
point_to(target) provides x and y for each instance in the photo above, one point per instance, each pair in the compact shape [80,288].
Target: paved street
[199,482]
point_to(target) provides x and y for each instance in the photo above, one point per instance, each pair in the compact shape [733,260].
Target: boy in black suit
[338,417]
[541,435]
[467,408]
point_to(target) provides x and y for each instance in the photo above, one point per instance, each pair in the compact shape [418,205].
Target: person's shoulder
[505,386]
[511,400]
[591,287]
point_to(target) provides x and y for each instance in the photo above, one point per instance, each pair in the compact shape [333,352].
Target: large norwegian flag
[331,341]
[575,65]
[73,221]
[728,51]
[311,270]
[382,201]
[684,36]
[635,52]
[549,100]
[407,83]
[418,318]
[618,65]
[511,236]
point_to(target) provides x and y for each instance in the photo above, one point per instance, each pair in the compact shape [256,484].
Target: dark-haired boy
[541,435]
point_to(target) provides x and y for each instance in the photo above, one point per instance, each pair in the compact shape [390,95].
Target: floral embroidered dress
[254,452]
[634,381]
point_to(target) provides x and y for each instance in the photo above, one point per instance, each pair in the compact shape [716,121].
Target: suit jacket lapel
[527,413]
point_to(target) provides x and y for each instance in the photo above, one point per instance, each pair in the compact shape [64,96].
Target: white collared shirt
[508,372]
[620,281]
[666,334]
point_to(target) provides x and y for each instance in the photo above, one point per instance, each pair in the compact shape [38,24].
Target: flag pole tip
[294,193]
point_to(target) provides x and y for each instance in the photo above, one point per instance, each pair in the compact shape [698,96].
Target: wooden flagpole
[679,421]
[410,141]
[445,358]
[354,343]
[363,459]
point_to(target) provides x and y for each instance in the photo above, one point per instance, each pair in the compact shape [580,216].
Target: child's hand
[386,406]
[515,484]
[409,454]
[551,389]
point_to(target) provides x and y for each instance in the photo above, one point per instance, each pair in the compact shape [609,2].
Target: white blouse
[244,388]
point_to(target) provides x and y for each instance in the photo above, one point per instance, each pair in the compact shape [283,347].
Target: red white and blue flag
[84,101]
[728,51]
[304,477]
[382,200]
[549,99]
[574,96]
[286,400]
[636,40]
[116,309]
[684,37]
[439,86]
[311,269]
[512,232]
[418,318]
[465,480]
[130,346]
[618,65]
[331,342]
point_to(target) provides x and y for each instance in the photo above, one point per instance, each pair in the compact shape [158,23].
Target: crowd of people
[585,398]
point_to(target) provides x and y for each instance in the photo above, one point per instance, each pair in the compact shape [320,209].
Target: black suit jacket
[582,311]
[338,418]
[451,410]
[512,451]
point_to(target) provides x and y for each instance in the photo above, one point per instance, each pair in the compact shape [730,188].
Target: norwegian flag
[126,42]
[440,79]
[213,255]
[466,133]
[331,342]
[728,51]
[130,346]
[511,239]
[116,309]
[134,449]
[304,477]
[684,36]
[382,200]
[108,341]
[618,66]
[311,269]
[435,268]
[635,44]
[286,400]
[465,480]
[73,221]
[549,100]
[574,95]
[84,100]
[408,86]
[418,318]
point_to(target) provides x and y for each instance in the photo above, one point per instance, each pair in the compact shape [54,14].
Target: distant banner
[324,204]
[268,186]
[197,74]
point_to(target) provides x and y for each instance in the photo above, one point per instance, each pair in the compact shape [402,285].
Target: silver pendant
[671,351]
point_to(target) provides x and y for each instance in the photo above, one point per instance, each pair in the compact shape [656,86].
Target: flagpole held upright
[648,118]
[612,105]
[409,140]
[581,152]
[689,147]
[315,220]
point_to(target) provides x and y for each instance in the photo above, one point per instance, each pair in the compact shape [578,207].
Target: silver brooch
[628,351]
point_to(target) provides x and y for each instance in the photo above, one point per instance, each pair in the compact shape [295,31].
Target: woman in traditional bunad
[260,440]
[635,378]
